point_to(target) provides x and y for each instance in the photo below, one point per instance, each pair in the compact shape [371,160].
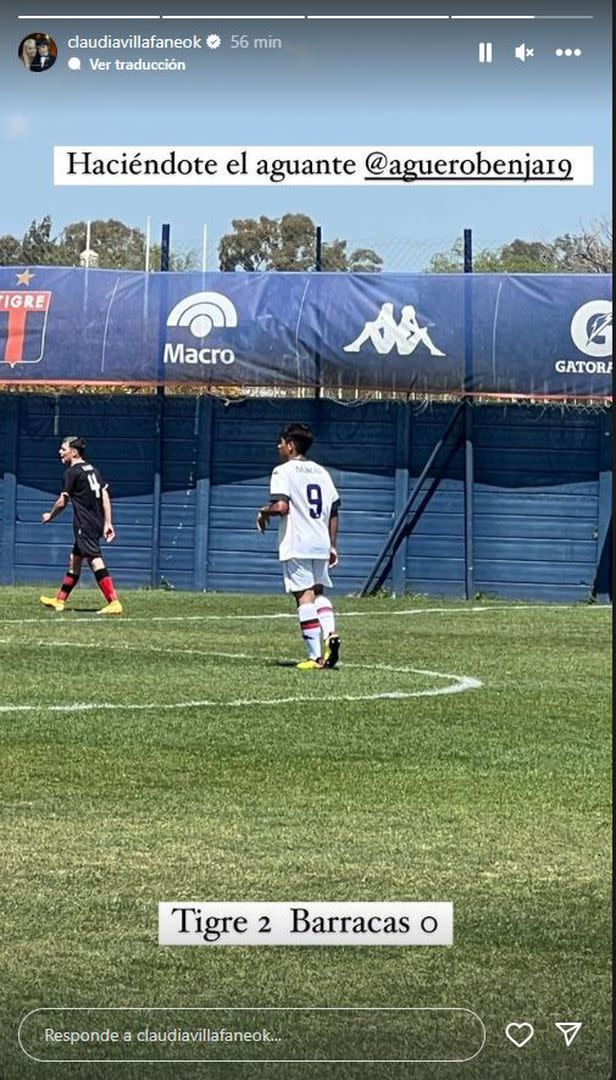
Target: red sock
[67,586]
[105,585]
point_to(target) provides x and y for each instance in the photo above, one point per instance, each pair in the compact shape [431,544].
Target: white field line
[292,615]
[458,685]
[402,670]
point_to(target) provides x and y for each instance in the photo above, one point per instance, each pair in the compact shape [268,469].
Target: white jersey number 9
[315,500]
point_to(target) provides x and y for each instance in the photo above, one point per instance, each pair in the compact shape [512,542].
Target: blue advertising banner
[532,335]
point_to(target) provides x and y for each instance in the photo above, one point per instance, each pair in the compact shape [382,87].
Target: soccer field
[460,752]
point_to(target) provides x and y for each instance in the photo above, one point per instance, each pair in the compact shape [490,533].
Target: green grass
[496,798]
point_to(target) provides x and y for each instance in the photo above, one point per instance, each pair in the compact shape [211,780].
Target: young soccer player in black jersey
[84,486]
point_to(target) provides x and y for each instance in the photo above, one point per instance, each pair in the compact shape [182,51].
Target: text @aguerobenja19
[305,923]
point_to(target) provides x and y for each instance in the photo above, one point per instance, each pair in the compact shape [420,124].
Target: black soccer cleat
[331,652]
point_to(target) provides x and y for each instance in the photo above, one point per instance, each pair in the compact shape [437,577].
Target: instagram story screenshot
[305,540]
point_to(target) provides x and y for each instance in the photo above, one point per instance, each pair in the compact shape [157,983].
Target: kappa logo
[200,313]
[591,328]
[386,334]
[23,323]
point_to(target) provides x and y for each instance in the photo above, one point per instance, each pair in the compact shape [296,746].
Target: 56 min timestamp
[244,41]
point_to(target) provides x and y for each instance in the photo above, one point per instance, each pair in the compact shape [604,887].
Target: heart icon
[519,1034]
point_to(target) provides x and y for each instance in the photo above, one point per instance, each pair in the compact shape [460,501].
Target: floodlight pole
[204,250]
[469,479]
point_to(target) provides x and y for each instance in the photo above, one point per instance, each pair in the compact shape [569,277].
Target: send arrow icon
[569,1029]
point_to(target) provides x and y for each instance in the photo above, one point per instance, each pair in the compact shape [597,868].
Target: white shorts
[300,574]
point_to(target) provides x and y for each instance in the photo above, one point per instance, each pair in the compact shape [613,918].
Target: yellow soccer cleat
[331,651]
[309,665]
[53,602]
[114,608]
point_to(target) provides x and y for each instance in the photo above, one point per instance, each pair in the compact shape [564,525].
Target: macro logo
[591,328]
[386,334]
[23,322]
[199,314]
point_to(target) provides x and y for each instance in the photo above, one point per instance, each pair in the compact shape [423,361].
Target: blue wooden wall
[187,475]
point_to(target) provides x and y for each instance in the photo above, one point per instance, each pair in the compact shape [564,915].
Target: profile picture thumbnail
[38,52]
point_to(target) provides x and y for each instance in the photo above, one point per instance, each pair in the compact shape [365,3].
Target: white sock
[325,613]
[311,629]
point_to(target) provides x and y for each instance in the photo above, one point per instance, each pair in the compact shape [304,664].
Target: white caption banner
[371,166]
[305,923]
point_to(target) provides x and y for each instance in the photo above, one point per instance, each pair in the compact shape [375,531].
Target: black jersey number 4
[94,484]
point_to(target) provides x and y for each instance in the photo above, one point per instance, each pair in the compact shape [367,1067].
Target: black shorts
[87,545]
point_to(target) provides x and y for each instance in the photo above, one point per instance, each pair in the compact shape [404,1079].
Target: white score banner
[305,923]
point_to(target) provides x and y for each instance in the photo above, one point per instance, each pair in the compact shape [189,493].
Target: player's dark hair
[300,434]
[76,443]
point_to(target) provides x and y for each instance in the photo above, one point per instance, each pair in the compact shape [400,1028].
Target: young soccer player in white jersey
[303,497]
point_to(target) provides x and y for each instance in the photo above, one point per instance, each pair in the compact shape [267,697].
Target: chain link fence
[109,245]
[115,245]
[292,243]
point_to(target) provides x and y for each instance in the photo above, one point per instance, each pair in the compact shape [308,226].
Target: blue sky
[330,84]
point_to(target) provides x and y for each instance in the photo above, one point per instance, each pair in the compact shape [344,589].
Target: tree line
[289,243]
